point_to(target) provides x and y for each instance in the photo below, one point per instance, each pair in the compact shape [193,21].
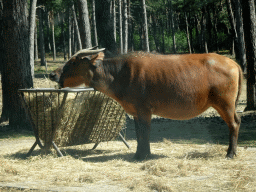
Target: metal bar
[71,113]
[25,106]
[31,149]
[108,122]
[98,121]
[86,115]
[57,149]
[60,109]
[124,141]
[58,90]
[37,122]
[52,115]
[46,144]
[28,112]
[96,145]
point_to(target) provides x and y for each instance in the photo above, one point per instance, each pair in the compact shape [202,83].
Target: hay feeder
[67,117]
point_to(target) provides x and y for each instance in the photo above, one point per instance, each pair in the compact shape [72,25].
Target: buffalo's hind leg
[233,136]
[229,115]
[142,127]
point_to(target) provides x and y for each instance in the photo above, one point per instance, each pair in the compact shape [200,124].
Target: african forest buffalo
[171,86]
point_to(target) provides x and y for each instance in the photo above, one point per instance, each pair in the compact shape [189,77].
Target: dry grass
[173,167]
[85,117]
[44,83]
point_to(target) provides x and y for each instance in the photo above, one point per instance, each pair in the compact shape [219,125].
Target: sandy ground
[207,128]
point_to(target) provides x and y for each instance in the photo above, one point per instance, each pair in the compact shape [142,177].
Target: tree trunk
[120,27]
[173,28]
[241,56]
[51,13]
[130,28]
[76,28]
[69,34]
[16,72]
[94,24]
[234,36]
[41,37]
[4,116]
[163,42]
[125,26]
[85,29]
[32,19]
[105,25]
[114,17]
[190,28]
[76,44]
[145,27]
[63,36]
[155,33]
[250,41]
[209,27]
[36,44]
[204,48]
[47,23]
[188,40]
[215,22]
[198,38]
[72,37]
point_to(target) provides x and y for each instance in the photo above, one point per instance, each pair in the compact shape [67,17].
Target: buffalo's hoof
[230,155]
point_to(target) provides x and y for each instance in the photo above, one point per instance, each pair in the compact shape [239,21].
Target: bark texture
[16,70]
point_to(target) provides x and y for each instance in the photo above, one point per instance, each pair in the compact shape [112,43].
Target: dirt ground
[202,139]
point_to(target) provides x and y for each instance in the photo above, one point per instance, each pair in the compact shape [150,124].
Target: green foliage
[137,44]
[160,10]
[181,41]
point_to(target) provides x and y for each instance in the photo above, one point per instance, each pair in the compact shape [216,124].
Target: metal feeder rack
[88,116]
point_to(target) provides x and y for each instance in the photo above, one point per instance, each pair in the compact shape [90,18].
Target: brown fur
[172,86]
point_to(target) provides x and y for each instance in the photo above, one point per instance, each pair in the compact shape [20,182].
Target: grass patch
[177,167]
[51,65]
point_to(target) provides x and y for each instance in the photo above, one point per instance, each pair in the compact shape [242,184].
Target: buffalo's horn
[93,48]
[85,52]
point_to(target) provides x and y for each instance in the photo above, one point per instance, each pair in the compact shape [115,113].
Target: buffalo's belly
[180,111]
[178,114]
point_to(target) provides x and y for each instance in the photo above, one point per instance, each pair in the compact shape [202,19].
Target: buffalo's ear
[98,57]
[88,57]
[93,58]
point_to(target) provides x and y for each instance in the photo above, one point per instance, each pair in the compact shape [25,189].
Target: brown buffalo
[171,86]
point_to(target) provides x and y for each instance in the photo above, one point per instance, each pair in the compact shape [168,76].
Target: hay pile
[78,118]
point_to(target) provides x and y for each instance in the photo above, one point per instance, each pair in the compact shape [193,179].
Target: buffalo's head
[55,75]
[79,69]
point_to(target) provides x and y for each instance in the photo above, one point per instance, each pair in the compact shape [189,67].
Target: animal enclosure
[72,116]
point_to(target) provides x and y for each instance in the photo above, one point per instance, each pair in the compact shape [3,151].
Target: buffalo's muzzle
[54,77]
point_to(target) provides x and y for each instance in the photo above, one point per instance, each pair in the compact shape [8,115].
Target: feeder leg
[127,145]
[31,149]
[96,145]
[57,149]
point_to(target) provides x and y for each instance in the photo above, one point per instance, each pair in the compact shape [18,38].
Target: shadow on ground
[85,155]
[199,130]
[7,131]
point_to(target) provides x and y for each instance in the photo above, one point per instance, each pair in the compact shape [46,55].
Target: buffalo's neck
[106,76]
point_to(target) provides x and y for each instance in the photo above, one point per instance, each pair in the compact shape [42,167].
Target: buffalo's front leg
[142,127]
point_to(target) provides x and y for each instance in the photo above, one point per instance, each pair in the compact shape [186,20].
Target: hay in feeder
[85,117]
